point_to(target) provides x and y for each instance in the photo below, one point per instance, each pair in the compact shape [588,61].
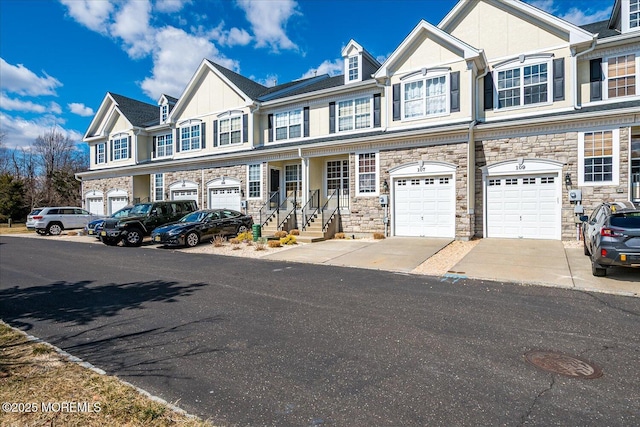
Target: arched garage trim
[94,202]
[522,199]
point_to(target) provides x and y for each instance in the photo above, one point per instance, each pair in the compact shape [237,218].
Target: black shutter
[305,121]
[95,153]
[376,110]
[129,147]
[215,133]
[595,79]
[332,117]
[111,150]
[177,140]
[396,101]
[245,128]
[153,147]
[488,91]
[270,117]
[203,135]
[558,79]
[455,91]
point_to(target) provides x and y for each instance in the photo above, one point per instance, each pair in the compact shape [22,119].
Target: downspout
[471,155]
[574,70]
[81,189]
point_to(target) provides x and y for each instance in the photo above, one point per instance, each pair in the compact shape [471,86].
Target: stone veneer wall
[108,184]
[367,214]
[561,147]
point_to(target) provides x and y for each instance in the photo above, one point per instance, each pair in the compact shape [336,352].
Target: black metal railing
[310,209]
[270,209]
[288,207]
[330,208]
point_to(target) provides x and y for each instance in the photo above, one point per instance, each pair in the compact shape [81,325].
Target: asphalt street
[247,342]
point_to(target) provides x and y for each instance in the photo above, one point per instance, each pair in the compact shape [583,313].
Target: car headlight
[174,231]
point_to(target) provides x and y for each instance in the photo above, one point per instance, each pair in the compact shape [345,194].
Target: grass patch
[34,374]
[15,229]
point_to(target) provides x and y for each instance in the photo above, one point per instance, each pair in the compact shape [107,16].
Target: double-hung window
[621,76]
[230,131]
[353,68]
[254,179]
[158,183]
[634,14]
[164,113]
[524,85]
[121,148]
[190,137]
[425,97]
[354,114]
[101,153]
[288,125]
[164,145]
[293,180]
[367,173]
[598,157]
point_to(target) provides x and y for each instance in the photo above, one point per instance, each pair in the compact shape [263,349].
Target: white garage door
[184,195]
[116,203]
[224,198]
[95,205]
[523,207]
[425,206]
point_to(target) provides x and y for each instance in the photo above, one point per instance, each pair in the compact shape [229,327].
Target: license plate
[157,239]
[90,232]
[103,233]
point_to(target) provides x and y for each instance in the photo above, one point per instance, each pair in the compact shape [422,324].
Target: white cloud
[333,68]
[22,81]
[170,6]
[574,15]
[80,109]
[21,133]
[232,37]
[131,24]
[90,13]
[176,58]
[268,21]
[12,104]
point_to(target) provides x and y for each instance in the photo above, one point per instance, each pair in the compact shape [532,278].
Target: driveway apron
[516,260]
[401,254]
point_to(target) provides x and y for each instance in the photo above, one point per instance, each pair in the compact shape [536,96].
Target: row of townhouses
[501,121]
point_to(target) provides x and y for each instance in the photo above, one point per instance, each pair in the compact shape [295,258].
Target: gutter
[574,67]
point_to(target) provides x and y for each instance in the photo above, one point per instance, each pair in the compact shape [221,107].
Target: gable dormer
[166,104]
[625,16]
[359,65]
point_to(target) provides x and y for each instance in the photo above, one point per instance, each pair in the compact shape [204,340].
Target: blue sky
[58,58]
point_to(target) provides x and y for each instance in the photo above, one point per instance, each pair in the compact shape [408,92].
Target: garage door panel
[523,207]
[225,198]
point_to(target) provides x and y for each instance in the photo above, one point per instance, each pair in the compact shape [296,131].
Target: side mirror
[584,218]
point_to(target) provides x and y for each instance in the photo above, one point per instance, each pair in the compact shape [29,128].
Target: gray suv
[612,236]
[53,220]
[142,219]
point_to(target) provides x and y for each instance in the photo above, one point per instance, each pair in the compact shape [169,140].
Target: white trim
[615,159]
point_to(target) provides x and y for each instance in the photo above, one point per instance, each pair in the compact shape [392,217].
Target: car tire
[134,237]
[41,232]
[598,270]
[108,241]
[586,249]
[191,239]
[54,228]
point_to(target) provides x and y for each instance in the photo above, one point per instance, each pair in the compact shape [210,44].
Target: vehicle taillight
[37,217]
[603,253]
[610,232]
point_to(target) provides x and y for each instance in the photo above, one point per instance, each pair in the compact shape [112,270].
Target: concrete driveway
[543,262]
[394,254]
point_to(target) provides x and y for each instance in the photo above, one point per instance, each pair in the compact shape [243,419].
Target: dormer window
[634,14]
[164,113]
[354,73]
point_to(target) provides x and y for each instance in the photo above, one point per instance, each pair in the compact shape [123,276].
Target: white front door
[523,206]
[224,198]
[425,206]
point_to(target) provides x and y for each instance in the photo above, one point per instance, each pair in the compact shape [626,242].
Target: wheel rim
[55,229]
[192,239]
[242,229]
[133,237]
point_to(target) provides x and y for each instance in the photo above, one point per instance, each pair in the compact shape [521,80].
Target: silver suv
[52,220]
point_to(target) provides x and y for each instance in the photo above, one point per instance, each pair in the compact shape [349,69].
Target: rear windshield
[626,220]
[35,212]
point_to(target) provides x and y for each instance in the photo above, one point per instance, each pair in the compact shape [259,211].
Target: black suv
[142,220]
